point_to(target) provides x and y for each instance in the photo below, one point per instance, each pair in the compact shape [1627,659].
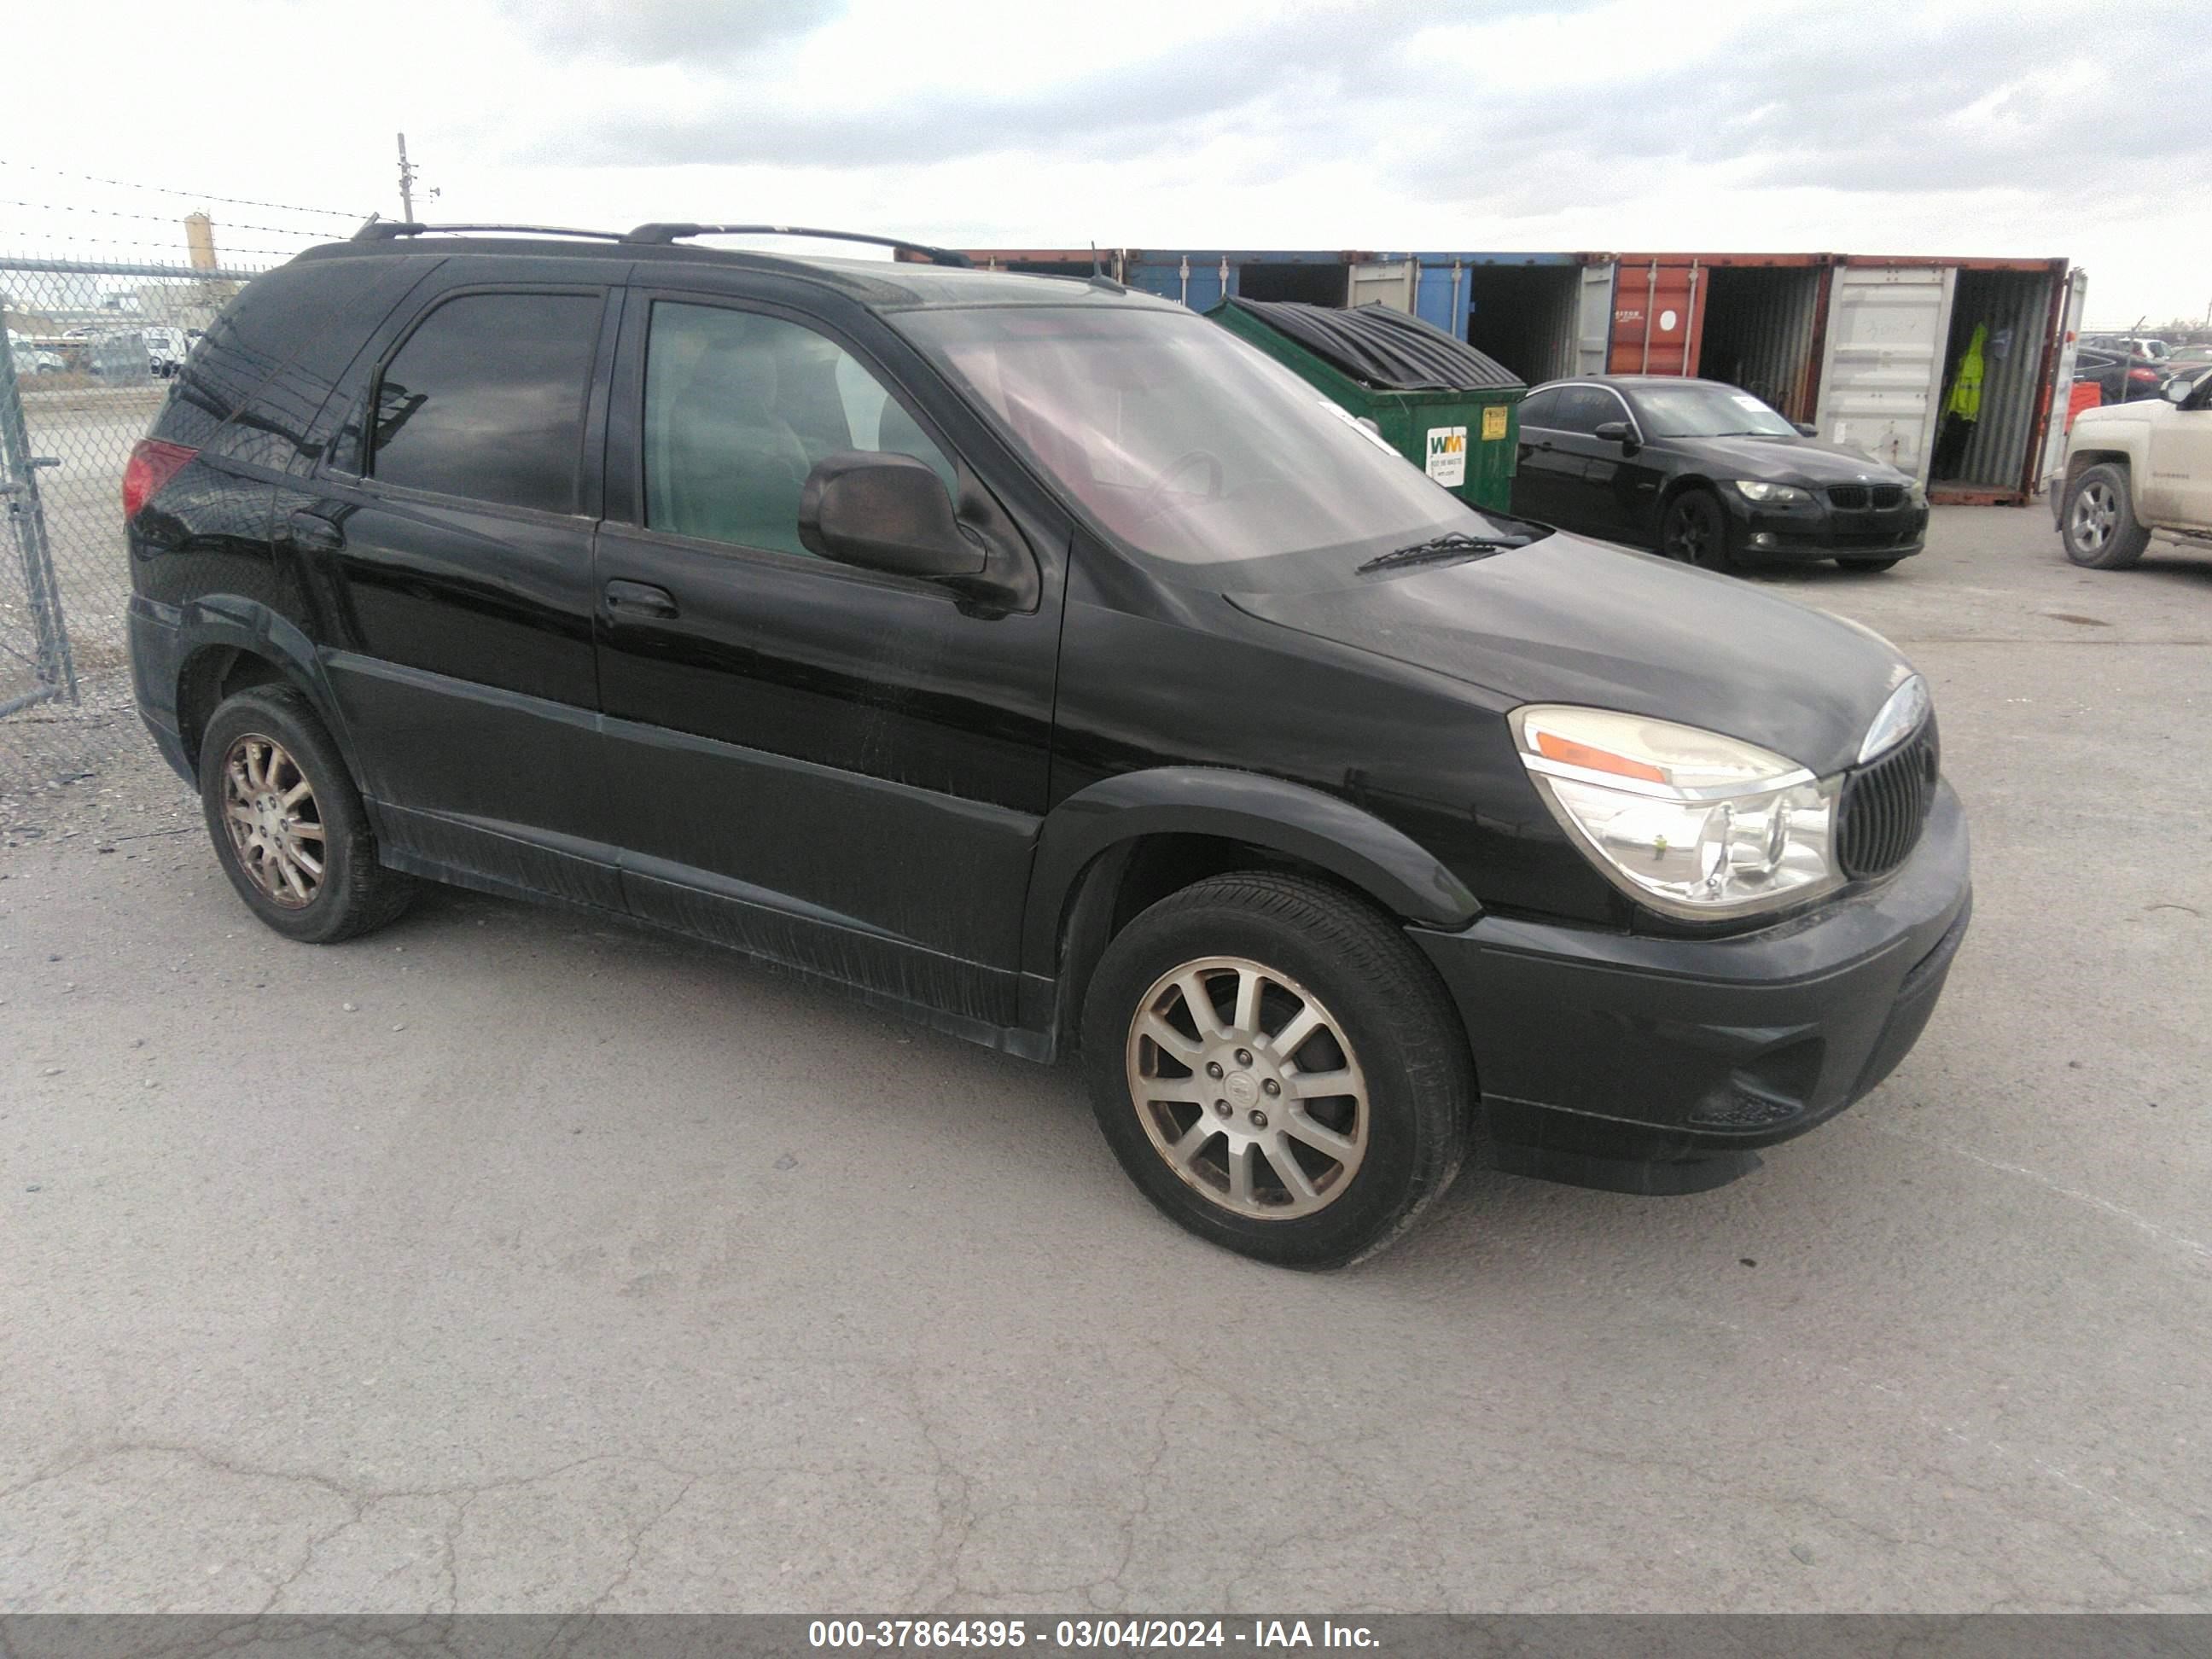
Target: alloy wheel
[1248,1086]
[2096,514]
[276,828]
[1687,541]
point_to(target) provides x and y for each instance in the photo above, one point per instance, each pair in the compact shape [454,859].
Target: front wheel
[2098,524]
[1278,1069]
[288,823]
[1695,532]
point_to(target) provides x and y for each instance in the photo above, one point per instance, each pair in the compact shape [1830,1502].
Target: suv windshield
[1182,441]
[1707,411]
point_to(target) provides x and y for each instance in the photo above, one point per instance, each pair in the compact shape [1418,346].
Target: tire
[262,750]
[1375,1016]
[1694,531]
[1872,567]
[2098,523]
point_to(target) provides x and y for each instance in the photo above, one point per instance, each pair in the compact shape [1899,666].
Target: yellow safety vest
[1965,398]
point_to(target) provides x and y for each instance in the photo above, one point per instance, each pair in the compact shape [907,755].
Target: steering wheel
[1150,503]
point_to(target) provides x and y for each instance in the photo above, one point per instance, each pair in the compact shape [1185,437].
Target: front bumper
[1654,1065]
[1819,530]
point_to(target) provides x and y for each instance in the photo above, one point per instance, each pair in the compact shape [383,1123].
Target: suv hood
[1564,620]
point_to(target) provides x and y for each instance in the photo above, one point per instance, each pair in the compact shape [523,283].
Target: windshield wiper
[1436,549]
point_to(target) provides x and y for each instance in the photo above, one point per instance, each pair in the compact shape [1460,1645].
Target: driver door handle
[640,599]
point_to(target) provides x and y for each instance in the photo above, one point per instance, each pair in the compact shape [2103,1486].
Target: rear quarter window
[257,388]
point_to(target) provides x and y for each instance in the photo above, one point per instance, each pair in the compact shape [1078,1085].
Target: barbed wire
[166,247]
[195,195]
[157,218]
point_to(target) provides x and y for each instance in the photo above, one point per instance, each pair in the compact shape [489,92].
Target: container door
[2059,393]
[1657,315]
[1385,282]
[1881,376]
[1594,319]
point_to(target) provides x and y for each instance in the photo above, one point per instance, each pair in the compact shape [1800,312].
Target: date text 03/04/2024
[1086,1635]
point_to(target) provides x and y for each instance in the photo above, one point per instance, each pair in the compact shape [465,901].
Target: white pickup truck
[2135,470]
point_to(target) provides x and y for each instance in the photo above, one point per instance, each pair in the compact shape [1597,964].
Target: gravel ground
[502,1260]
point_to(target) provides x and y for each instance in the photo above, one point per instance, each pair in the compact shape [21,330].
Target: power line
[193,195]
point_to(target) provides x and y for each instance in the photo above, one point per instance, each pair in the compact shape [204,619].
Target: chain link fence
[92,351]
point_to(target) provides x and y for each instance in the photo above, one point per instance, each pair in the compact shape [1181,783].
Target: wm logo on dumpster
[1447,448]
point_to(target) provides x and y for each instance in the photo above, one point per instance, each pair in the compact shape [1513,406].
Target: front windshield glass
[1184,442]
[1707,411]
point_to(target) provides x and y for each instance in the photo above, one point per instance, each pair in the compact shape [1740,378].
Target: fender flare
[1303,823]
[230,621]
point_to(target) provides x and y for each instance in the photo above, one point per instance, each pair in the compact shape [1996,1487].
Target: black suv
[1036,657]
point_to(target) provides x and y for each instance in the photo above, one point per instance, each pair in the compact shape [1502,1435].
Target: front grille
[1858,497]
[1886,803]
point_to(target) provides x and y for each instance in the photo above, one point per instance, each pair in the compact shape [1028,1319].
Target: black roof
[1382,348]
[888,284]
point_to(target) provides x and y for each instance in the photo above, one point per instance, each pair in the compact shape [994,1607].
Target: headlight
[1773,494]
[1918,492]
[1687,821]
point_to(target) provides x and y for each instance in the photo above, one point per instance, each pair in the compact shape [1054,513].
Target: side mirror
[1615,432]
[1805,428]
[884,512]
[2176,390]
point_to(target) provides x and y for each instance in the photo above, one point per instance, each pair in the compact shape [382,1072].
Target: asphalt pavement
[502,1261]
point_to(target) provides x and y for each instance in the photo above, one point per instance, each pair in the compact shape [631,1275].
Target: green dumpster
[1438,401]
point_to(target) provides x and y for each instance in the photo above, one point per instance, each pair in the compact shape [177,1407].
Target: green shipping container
[1438,401]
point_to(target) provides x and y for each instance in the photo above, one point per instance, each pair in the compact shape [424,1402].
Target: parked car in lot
[2118,379]
[165,349]
[32,360]
[1708,474]
[2137,469]
[1036,657]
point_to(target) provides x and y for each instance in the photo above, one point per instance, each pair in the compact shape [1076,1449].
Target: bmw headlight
[1687,821]
[1773,494]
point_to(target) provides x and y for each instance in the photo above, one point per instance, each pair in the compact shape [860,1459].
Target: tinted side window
[1582,408]
[739,408]
[1541,408]
[486,399]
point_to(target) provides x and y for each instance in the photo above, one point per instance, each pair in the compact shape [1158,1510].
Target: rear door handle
[312,531]
[641,598]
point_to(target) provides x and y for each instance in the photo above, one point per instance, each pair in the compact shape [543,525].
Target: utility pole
[408,174]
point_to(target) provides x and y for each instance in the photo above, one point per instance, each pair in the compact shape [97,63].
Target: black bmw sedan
[1707,474]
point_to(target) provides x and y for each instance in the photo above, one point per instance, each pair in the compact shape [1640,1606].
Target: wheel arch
[2079,461]
[227,644]
[1109,850]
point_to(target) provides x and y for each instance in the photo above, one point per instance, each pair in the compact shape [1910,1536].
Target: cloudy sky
[1950,126]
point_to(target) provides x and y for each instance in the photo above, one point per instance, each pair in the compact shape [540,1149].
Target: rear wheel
[1695,531]
[288,823]
[2098,524]
[1278,1069]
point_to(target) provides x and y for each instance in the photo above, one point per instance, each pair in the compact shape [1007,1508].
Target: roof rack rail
[390,230]
[662,235]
